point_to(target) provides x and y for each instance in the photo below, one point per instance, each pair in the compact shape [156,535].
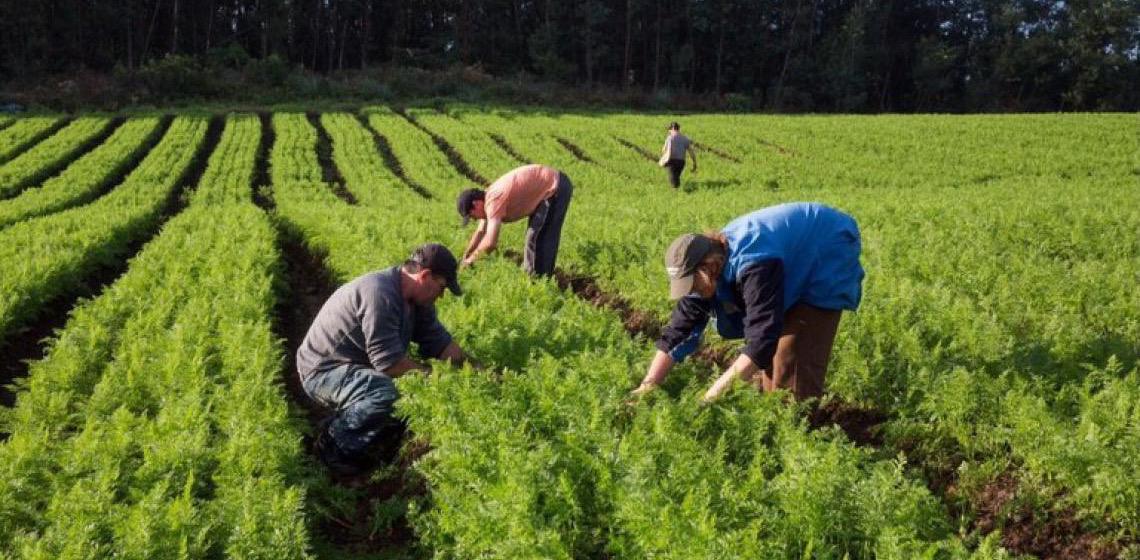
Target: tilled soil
[1049,535]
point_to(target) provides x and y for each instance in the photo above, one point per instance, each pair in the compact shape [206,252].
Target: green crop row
[41,160]
[86,178]
[547,461]
[365,173]
[238,146]
[154,427]
[478,149]
[49,256]
[421,159]
[22,133]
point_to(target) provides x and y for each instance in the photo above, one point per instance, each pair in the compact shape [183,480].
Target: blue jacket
[777,257]
[818,247]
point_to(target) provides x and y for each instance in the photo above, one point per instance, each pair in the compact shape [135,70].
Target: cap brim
[453,285]
[680,287]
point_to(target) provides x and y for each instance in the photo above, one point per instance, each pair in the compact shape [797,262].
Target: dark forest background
[782,55]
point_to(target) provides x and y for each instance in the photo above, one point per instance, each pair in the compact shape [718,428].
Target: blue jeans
[360,398]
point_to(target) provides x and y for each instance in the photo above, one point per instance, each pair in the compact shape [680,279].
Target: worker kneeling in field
[537,192]
[359,342]
[779,278]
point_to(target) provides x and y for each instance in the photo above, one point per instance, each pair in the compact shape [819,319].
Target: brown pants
[800,363]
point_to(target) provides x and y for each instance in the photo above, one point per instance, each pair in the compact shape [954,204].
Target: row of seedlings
[50,256]
[21,133]
[88,176]
[154,428]
[46,157]
[366,174]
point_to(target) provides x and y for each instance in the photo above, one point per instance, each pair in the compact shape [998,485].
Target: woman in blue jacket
[779,278]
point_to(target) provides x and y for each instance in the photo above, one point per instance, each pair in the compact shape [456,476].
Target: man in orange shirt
[537,192]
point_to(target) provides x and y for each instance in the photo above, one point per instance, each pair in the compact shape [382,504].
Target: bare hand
[637,394]
[642,389]
[720,386]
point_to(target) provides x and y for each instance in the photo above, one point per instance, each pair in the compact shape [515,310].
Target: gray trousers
[544,230]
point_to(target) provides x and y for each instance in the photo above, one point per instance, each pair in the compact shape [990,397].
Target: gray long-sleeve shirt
[367,322]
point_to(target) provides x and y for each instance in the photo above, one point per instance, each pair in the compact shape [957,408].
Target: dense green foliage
[1003,309]
[547,461]
[999,332]
[86,177]
[33,165]
[22,133]
[50,256]
[157,430]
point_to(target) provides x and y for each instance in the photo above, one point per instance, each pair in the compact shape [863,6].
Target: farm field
[159,273]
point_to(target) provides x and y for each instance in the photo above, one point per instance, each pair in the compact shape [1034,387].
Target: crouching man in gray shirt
[359,342]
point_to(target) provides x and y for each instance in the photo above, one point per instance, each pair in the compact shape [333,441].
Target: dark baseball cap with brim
[440,262]
[465,201]
[682,258]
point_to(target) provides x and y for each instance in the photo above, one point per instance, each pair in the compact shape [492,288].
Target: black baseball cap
[673,126]
[439,261]
[466,200]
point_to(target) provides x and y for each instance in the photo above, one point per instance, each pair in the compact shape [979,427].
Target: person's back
[516,195]
[673,154]
[336,336]
[678,145]
[797,234]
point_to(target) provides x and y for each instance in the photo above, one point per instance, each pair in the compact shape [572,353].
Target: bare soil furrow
[574,149]
[329,172]
[453,156]
[644,153]
[718,153]
[506,146]
[390,158]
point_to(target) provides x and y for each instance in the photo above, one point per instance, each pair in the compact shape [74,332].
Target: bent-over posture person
[673,154]
[359,342]
[537,192]
[779,278]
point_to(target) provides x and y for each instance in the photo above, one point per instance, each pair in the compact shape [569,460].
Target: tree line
[823,55]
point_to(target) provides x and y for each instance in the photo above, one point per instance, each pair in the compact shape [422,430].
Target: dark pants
[800,363]
[544,230]
[675,167]
[360,399]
